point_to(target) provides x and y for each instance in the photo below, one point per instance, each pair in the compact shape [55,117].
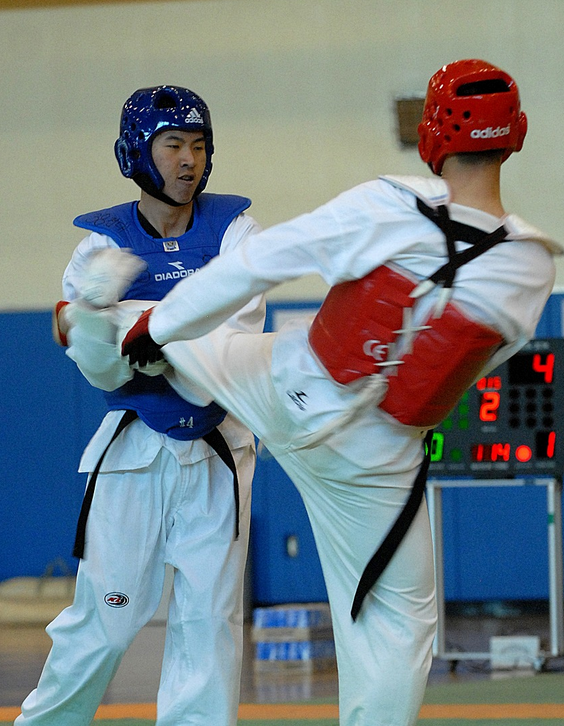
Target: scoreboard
[509,423]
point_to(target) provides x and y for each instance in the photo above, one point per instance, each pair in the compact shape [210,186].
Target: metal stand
[554,531]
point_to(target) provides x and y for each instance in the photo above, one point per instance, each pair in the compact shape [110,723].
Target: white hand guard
[88,321]
[92,337]
[107,275]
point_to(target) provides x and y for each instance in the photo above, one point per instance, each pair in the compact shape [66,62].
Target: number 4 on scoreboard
[546,368]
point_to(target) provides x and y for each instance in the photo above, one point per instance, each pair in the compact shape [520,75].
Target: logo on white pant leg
[116,599]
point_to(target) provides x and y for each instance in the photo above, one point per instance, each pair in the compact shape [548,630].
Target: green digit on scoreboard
[437,446]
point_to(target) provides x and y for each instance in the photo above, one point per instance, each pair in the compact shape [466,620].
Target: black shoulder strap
[456,231]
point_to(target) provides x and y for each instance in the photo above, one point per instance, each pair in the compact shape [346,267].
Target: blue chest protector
[168,261]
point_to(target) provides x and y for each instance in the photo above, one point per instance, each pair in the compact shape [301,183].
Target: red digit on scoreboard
[546,368]
[489,405]
[500,451]
[551,444]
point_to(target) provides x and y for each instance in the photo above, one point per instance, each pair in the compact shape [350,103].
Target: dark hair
[480,157]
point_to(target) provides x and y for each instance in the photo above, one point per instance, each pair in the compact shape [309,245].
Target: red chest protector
[355,332]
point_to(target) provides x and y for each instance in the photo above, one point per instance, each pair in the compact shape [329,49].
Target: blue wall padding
[48,414]
[550,324]
[285,565]
[495,542]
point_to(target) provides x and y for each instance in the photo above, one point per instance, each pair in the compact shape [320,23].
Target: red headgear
[471,105]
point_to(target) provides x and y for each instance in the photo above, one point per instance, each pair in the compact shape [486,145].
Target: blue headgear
[145,114]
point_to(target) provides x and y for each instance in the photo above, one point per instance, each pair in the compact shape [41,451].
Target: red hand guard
[59,336]
[138,344]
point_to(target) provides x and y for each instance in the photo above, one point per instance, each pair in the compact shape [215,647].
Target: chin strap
[147,185]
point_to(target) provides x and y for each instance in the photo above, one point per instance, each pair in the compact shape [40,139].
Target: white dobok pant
[166,513]
[352,499]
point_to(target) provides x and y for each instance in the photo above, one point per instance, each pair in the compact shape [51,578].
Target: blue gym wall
[495,540]
[48,414]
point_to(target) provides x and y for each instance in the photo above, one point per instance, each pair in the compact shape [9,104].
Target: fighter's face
[180,157]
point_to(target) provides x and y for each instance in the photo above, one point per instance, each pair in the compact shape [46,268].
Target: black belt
[386,550]
[219,445]
[214,439]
